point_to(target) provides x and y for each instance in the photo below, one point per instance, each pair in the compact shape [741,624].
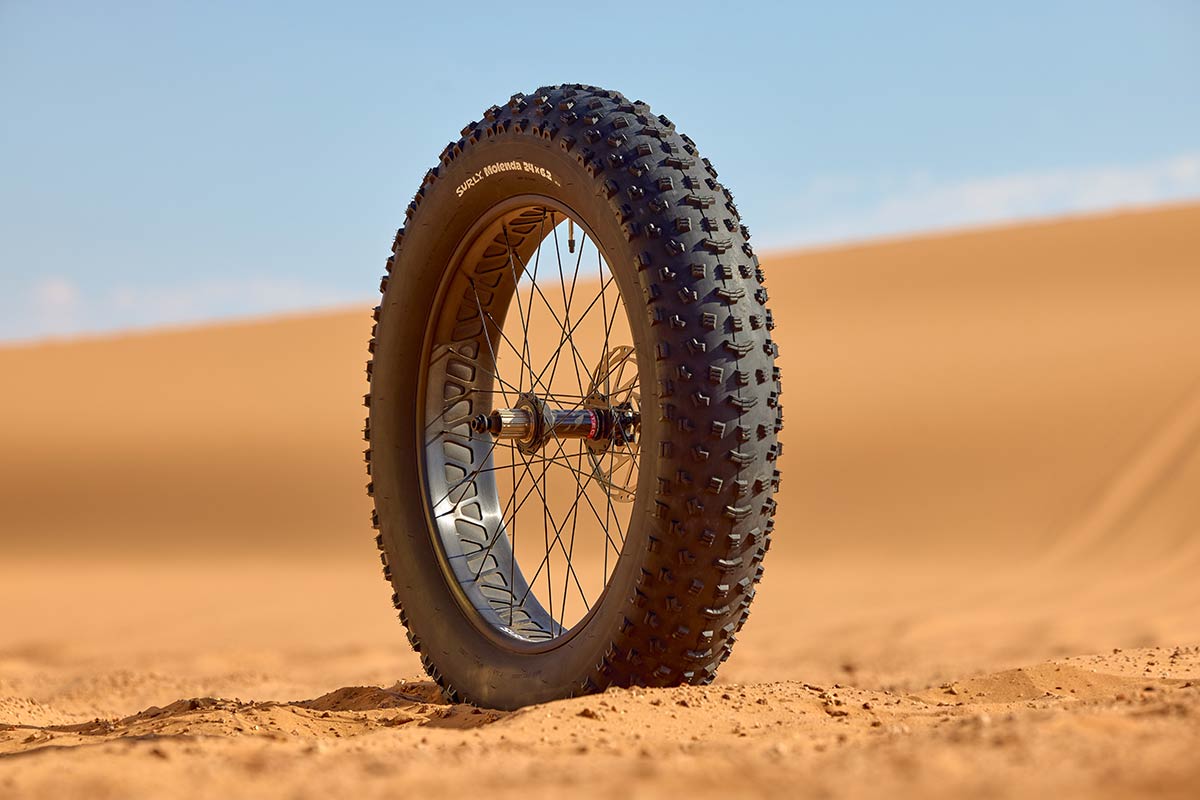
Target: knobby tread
[713,513]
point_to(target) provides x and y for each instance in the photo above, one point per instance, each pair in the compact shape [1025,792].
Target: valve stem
[570,235]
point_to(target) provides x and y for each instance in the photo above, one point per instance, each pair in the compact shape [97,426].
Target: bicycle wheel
[574,406]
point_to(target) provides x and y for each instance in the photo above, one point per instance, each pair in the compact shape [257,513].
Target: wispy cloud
[54,302]
[864,208]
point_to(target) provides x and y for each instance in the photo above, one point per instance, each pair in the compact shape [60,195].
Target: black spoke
[566,337]
[567,307]
[549,549]
[574,512]
[569,331]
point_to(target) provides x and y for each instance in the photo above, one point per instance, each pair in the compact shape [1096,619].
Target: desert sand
[984,581]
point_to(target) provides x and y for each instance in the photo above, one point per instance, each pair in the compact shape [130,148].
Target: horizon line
[774,251]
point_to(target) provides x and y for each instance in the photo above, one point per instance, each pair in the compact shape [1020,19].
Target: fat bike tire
[679,580]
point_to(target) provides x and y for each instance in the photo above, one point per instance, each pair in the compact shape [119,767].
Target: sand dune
[993,444]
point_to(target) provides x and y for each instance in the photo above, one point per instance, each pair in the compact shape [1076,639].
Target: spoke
[503,337]
[528,468]
[574,512]
[567,339]
[608,323]
[511,530]
[514,348]
[546,540]
[604,525]
[608,510]
[634,463]
[483,323]
[537,258]
[520,311]
[562,282]
[500,528]
[476,363]
[580,490]
[579,403]
[563,462]
[586,311]
[607,326]
[560,461]
[617,522]
[546,558]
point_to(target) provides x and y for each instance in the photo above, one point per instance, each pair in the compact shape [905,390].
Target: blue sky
[166,162]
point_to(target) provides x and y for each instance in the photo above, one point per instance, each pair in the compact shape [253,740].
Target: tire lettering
[497,167]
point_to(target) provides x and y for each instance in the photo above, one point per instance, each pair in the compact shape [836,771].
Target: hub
[533,423]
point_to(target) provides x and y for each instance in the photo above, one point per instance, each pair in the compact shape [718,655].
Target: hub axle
[532,423]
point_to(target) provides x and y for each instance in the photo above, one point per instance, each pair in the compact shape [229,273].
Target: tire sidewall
[450,636]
